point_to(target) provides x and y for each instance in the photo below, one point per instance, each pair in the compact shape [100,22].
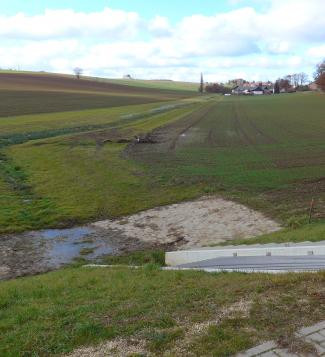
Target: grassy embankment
[164,312]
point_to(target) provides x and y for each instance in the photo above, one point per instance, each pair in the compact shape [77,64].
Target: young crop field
[267,149]
[266,152]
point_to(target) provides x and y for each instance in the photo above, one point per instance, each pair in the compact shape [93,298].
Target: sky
[164,39]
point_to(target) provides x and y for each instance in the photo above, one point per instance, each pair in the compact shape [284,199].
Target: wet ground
[203,222]
[40,251]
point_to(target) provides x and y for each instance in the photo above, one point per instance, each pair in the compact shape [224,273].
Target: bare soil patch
[204,222]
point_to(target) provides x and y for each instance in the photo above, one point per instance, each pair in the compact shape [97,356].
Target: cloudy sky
[175,39]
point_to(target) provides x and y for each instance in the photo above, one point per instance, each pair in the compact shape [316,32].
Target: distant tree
[78,72]
[303,78]
[296,79]
[320,81]
[285,84]
[320,69]
[319,75]
[201,88]
[303,88]
[217,88]
[276,87]
[288,78]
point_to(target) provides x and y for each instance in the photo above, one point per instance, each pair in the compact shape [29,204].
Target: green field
[61,167]
[72,167]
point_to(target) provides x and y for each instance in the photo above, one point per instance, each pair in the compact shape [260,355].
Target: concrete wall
[191,256]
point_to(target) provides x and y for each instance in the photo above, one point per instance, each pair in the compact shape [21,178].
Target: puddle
[73,233]
[35,252]
[64,245]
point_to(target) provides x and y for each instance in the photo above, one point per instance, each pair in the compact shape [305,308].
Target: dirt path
[203,222]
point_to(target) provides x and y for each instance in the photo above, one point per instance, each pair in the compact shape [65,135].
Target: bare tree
[303,78]
[320,69]
[289,78]
[277,87]
[319,75]
[320,81]
[295,79]
[78,72]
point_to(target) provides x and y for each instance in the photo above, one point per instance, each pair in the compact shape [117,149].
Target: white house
[258,91]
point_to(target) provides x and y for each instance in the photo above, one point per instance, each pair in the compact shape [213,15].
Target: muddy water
[207,221]
[40,251]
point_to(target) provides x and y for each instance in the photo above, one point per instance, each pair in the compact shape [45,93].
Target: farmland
[80,165]
[66,162]
[44,93]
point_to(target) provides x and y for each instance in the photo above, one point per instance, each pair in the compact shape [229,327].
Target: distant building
[313,86]
[251,88]
[259,90]
[127,76]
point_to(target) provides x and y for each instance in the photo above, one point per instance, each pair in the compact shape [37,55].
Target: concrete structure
[268,264]
[283,249]
[267,258]
[315,335]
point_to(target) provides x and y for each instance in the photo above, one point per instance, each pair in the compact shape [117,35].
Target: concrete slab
[281,263]
[287,249]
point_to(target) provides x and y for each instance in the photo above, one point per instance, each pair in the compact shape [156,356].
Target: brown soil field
[51,82]
[17,102]
[33,93]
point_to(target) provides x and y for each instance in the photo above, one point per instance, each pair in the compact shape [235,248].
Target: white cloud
[160,26]
[289,35]
[112,24]
[317,52]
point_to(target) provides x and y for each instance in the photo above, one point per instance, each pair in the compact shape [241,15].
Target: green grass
[305,232]
[155,257]
[266,152]
[54,313]
[97,182]
[232,147]
[31,124]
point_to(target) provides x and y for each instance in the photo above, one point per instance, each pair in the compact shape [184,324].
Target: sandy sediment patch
[198,223]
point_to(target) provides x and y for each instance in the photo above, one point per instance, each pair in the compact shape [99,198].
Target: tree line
[291,82]
[319,75]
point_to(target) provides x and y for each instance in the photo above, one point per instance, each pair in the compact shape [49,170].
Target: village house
[252,88]
[313,86]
